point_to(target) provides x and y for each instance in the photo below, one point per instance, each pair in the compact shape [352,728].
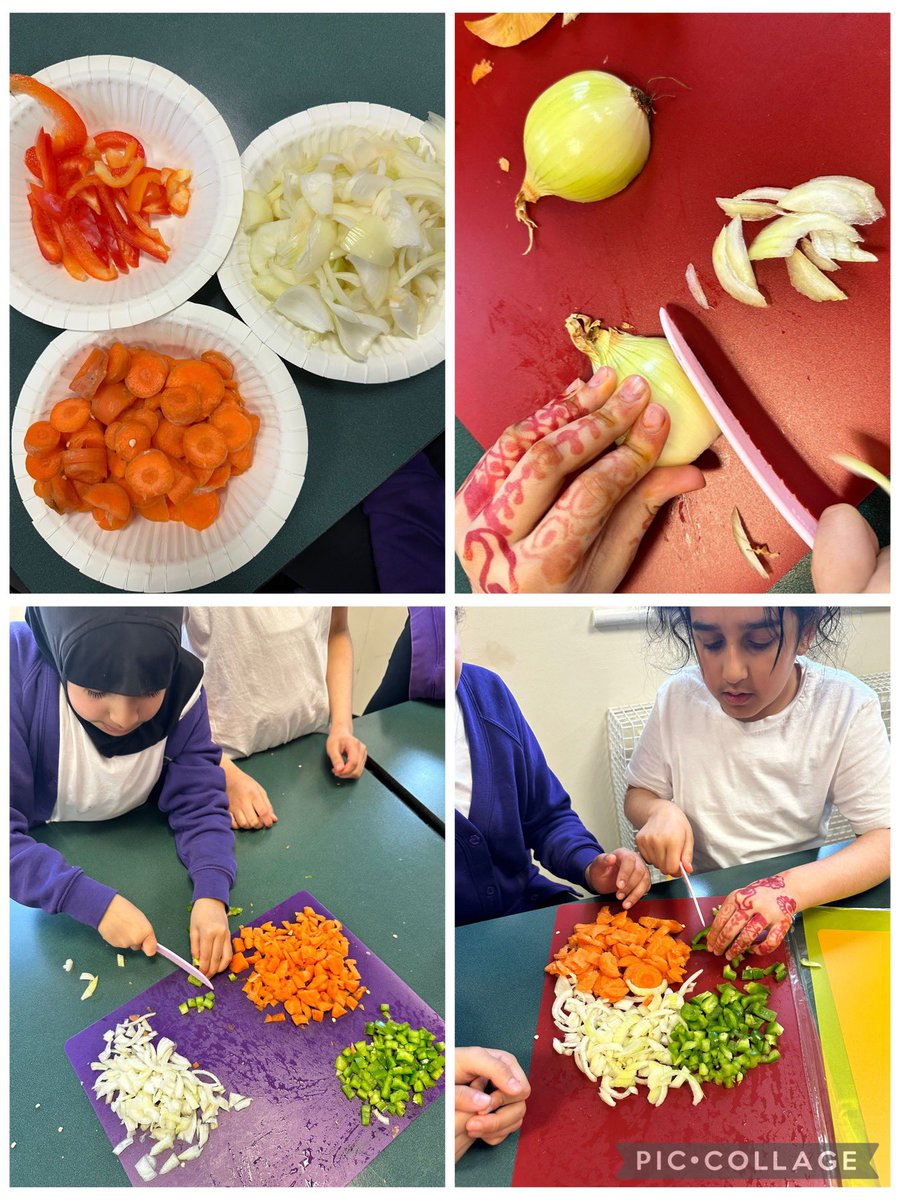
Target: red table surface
[569,1135]
[774,99]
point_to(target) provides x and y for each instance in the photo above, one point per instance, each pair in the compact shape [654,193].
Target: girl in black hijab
[106,707]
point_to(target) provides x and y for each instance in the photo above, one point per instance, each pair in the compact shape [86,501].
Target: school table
[405,745]
[363,855]
[257,69]
[514,950]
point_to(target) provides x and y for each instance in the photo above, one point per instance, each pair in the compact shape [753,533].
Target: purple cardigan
[518,805]
[192,794]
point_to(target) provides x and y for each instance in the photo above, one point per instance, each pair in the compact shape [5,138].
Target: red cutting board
[774,99]
[569,1136]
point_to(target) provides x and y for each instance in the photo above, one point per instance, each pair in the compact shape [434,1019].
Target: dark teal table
[406,742]
[368,860]
[507,958]
[258,69]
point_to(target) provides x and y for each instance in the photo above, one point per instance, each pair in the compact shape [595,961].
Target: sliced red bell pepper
[69,134]
[134,236]
[31,162]
[43,232]
[115,139]
[113,248]
[56,207]
[89,225]
[138,188]
[78,245]
[70,262]
[121,178]
[44,150]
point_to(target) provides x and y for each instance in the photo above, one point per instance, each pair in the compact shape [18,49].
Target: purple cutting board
[300,1130]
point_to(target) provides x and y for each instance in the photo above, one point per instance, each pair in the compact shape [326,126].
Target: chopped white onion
[695,287]
[743,542]
[145,1168]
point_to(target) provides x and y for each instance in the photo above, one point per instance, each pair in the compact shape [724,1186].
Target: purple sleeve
[427,669]
[552,828]
[39,876]
[194,800]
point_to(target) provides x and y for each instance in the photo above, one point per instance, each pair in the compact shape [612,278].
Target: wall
[565,675]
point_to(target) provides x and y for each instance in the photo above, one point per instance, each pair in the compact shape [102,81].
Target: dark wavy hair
[672,628]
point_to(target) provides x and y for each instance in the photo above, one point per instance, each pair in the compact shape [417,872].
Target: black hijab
[126,651]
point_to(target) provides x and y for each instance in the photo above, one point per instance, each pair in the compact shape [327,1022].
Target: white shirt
[92,787]
[463,790]
[756,789]
[264,672]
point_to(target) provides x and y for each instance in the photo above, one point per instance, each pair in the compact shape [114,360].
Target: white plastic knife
[184,964]
[797,516]
[687,884]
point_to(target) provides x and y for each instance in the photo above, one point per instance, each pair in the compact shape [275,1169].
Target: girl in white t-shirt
[272,675]
[745,754]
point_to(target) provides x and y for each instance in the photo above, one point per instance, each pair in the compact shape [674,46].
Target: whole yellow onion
[586,137]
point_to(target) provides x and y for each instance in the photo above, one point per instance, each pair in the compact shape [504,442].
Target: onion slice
[743,542]
[732,265]
[810,281]
[695,287]
[779,239]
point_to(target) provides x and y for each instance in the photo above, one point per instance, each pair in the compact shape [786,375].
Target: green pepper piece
[365,1114]
[729,972]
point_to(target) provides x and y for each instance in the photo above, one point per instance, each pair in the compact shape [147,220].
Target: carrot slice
[207,381]
[150,474]
[41,437]
[117,467]
[156,510]
[216,479]
[118,363]
[132,439]
[105,521]
[185,483]
[644,975]
[111,499]
[234,426]
[110,402]
[181,405]
[146,374]
[43,466]
[143,415]
[89,465]
[69,415]
[90,374]
[223,365]
[169,438]
[199,510]
[204,445]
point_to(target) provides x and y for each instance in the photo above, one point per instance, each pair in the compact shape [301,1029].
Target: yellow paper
[858,966]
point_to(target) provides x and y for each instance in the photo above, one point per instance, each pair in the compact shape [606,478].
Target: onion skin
[586,137]
[692,428]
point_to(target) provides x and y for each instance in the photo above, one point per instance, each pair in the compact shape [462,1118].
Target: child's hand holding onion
[543,511]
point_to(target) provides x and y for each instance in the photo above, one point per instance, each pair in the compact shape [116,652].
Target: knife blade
[797,516]
[185,966]
[687,884]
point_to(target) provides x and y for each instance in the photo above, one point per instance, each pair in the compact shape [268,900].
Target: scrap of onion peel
[481,69]
[743,542]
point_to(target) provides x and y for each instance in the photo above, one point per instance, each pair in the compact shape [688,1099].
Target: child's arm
[339,683]
[665,838]
[194,800]
[248,801]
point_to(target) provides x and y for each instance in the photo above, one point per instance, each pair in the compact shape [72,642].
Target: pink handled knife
[799,518]
[184,964]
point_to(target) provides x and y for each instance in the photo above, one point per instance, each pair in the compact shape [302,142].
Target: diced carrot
[41,437]
[118,363]
[146,374]
[273,1017]
[238,964]
[204,445]
[150,473]
[238,945]
[69,415]
[90,374]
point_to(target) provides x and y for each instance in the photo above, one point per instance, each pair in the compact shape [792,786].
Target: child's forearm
[339,673]
[859,866]
[640,805]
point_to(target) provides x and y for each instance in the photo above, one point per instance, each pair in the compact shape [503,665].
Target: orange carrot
[118,363]
[216,479]
[41,437]
[199,510]
[147,374]
[132,439]
[223,365]
[181,405]
[43,466]
[143,415]
[605,955]
[107,522]
[155,510]
[233,425]
[207,381]
[204,445]
[169,438]
[150,474]
[110,402]
[69,415]
[111,499]
[90,374]
[273,1017]
[87,466]
[185,483]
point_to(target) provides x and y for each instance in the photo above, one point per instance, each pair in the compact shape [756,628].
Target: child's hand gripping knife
[765,906]
[491,1116]
[623,872]
[665,839]
[210,936]
[125,926]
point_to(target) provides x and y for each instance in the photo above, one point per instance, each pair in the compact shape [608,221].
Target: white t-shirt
[91,787]
[756,789]
[463,779]
[264,673]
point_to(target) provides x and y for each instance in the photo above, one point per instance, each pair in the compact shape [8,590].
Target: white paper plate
[179,128]
[391,357]
[150,556]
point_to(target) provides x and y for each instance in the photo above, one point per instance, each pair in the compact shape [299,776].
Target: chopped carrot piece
[150,474]
[69,415]
[199,510]
[132,439]
[90,374]
[110,402]
[43,467]
[203,377]
[204,445]
[223,365]
[111,498]
[118,363]
[147,374]
[89,465]
[181,405]
[41,437]
[234,426]
[169,438]
[155,510]
[273,1017]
